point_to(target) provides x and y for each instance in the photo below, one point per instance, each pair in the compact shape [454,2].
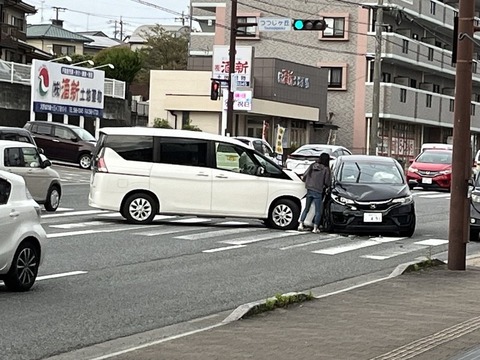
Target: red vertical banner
[265,130]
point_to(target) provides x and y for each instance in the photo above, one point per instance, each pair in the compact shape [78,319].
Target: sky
[89,15]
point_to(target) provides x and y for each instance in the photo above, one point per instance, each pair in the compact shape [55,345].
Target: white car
[261,146]
[23,237]
[300,159]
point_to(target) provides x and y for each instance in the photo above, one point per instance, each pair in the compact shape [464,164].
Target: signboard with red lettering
[243,64]
[242,100]
[66,89]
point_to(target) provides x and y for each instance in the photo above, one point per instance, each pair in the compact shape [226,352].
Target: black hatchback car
[63,142]
[369,194]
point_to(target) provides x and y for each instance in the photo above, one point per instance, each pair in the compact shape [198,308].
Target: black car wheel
[284,215]
[23,272]
[139,208]
[85,161]
[474,233]
[327,219]
[53,198]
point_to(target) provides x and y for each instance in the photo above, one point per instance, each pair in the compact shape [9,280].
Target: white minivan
[142,172]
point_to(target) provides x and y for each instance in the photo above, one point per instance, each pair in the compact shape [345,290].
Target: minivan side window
[190,152]
[234,158]
[129,147]
[63,133]
[21,157]
[5,188]
[42,129]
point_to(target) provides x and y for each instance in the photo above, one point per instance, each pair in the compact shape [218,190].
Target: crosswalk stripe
[432,242]
[435,196]
[191,220]
[356,245]
[167,231]
[416,193]
[74,213]
[224,248]
[261,237]
[77,225]
[232,223]
[310,243]
[92,231]
[390,253]
[216,233]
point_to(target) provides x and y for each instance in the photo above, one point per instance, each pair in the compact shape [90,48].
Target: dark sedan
[369,194]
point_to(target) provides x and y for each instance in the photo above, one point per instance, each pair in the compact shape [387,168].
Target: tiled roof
[49,31]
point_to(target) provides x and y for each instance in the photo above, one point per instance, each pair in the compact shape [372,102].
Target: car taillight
[101,166]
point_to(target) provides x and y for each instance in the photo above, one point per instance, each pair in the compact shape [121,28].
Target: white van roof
[437,146]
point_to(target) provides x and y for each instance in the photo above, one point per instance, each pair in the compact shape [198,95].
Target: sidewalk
[430,314]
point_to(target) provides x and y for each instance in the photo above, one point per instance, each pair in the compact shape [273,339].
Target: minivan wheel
[284,215]
[139,209]
[53,198]
[85,161]
[23,272]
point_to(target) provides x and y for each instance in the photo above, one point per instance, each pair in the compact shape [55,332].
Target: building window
[436,88]
[403,95]
[386,77]
[335,27]
[474,67]
[335,76]
[430,54]
[63,49]
[413,83]
[472,109]
[405,46]
[452,105]
[433,7]
[477,97]
[248,31]
[429,101]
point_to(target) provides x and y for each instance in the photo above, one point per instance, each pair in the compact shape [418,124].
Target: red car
[431,169]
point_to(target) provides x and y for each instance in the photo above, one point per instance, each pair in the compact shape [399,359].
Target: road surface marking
[310,243]
[56,276]
[233,223]
[74,213]
[387,254]
[77,225]
[432,242]
[91,231]
[435,196]
[216,233]
[224,248]
[167,231]
[261,237]
[356,245]
[191,220]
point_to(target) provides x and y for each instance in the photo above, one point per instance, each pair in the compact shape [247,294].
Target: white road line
[310,243]
[55,276]
[356,245]
[167,231]
[261,237]
[216,233]
[64,209]
[91,231]
[191,220]
[224,248]
[74,213]
[234,223]
[432,242]
[435,196]
[77,225]
[387,254]
[416,193]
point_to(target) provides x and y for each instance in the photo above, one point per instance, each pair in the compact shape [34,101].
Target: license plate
[372,217]
[426,180]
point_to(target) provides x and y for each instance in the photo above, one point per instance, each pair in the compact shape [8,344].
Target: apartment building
[417,75]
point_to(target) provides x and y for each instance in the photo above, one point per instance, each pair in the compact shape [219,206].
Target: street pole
[458,233]
[231,67]
[377,70]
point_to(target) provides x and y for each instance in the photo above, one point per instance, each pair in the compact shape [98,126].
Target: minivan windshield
[435,157]
[83,134]
[364,172]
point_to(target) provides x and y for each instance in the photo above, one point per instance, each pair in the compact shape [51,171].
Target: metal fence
[20,74]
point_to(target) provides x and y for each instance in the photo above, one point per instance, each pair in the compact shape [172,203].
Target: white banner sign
[242,100]
[243,64]
[66,89]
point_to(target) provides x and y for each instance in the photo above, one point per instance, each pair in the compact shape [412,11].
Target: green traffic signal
[312,25]
[298,24]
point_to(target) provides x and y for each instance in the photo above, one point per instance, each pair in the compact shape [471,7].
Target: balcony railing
[20,74]
[10,35]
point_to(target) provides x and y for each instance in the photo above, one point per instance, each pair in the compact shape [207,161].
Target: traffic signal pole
[231,67]
[377,66]
[458,234]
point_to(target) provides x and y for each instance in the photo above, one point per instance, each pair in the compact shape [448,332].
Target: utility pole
[231,66]
[377,71]
[458,233]
[57,9]
[121,29]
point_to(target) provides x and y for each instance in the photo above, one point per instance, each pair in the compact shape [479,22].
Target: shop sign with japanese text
[66,89]
[287,77]
[242,100]
[243,64]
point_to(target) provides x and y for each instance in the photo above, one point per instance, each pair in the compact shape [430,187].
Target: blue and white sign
[274,24]
[66,89]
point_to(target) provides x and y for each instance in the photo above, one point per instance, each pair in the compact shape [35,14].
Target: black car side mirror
[40,151]
[74,139]
[46,163]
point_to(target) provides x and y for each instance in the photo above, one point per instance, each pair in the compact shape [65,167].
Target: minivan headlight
[403,200]
[342,200]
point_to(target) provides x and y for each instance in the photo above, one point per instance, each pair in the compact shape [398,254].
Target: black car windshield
[84,134]
[312,151]
[365,172]
[435,157]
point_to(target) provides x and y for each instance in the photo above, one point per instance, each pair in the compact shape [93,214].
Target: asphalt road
[104,279]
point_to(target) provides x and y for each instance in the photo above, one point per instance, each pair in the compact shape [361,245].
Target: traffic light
[309,25]
[214,90]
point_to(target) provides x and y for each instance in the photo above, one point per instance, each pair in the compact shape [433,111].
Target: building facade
[417,76]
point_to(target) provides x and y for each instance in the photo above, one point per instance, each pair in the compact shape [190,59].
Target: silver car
[25,160]
[23,237]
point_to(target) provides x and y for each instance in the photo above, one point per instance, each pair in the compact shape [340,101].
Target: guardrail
[17,73]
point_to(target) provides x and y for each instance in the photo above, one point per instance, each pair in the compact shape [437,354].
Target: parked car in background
[476,162]
[23,237]
[475,209]
[261,146]
[436,146]
[431,169]
[142,172]
[369,194]
[63,142]
[16,134]
[299,160]
[42,181]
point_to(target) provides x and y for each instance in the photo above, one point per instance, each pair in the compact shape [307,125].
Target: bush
[161,123]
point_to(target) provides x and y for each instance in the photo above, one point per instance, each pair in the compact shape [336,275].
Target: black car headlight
[342,200]
[476,198]
[403,200]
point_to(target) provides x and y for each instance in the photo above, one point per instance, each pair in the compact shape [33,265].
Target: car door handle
[202,174]
[221,177]
[14,214]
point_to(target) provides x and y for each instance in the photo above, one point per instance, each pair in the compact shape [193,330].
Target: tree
[163,51]
[127,63]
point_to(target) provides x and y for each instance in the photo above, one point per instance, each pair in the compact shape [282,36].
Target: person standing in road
[317,178]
